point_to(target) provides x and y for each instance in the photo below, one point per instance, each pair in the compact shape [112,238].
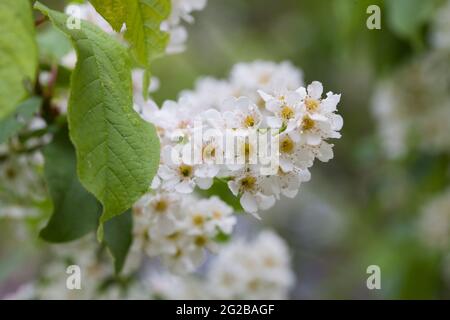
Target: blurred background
[385,197]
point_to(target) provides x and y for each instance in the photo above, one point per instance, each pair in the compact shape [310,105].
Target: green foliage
[114,11]
[75,211]
[15,121]
[118,238]
[406,17]
[18,53]
[143,20]
[117,152]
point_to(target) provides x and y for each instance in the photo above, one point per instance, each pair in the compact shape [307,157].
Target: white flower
[177,40]
[434,224]
[69,60]
[248,110]
[265,75]
[294,153]
[440,30]
[209,93]
[161,211]
[174,173]
[178,229]
[172,287]
[285,106]
[253,189]
[412,107]
[319,121]
[211,216]
[288,183]
[180,10]
[259,269]
[241,113]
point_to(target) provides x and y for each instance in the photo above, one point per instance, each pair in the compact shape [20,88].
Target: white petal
[204,183]
[302,92]
[313,139]
[243,103]
[318,117]
[266,202]
[186,186]
[234,187]
[315,90]
[337,122]
[290,193]
[293,97]
[273,105]
[166,172]
[330,102]
[249,203]
[295,135]
[265,96]
[156,182]
[325,152]
[274,122]
[286,165]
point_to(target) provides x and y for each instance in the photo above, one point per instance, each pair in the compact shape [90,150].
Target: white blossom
[259,269]
[434,223]
[178,229]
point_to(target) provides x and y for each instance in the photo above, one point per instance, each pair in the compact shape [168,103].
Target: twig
[40,20]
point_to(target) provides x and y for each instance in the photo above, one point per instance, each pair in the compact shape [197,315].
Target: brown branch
[40,21]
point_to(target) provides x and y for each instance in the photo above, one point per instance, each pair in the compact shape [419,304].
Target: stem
[48,111]
[40,21]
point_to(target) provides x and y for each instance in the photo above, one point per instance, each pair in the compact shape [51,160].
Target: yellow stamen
[312,104]
[160,206]
[217,215]
[185,170]
[249,121]
[198,220]
[200,241]
[209,151]
[308,124]
[248,183]
[287,113]
[286,145]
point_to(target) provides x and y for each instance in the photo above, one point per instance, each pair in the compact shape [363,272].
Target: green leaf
[75,211]
[15,121]
[18,53]
[117,152]
[118,238]
[114,11]
[406,17]
[144,19]
[143,27]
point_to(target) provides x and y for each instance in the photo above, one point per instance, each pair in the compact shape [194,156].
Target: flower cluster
[440,30]
[413,106]
[261,101]
[434,223]
[180,229]
[52,282]
[181,11]
[257,269]
[23,188]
